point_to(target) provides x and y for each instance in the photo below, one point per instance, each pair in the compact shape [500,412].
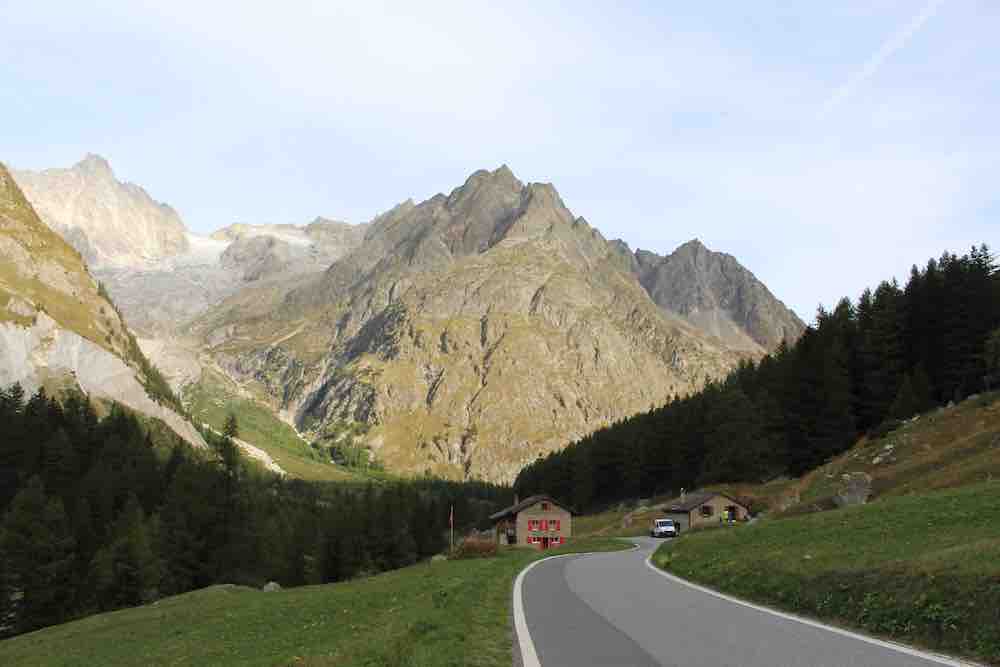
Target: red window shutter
[555,524]
[545,524]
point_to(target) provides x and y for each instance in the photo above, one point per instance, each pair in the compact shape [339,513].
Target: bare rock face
[470,333]
[717,294]
[254,257]
[56,323]
[110,222]
[32,355]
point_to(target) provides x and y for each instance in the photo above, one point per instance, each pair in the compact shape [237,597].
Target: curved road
[615,609]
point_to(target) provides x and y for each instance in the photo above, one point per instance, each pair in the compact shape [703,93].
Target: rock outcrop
[110,222]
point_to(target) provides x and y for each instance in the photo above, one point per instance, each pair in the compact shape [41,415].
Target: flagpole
[451,524]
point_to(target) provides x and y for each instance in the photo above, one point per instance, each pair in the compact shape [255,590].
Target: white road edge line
[902,648]
[529,657]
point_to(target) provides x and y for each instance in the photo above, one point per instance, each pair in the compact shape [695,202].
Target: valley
[324,325]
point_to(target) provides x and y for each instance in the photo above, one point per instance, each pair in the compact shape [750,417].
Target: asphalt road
[612,609]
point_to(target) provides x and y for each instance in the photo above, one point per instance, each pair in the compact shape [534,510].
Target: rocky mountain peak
[109,222]
[485,187]
[694,246]
[716,293]
[94,164]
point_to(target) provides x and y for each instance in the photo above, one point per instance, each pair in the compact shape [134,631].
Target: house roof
[526,503]
[693,500]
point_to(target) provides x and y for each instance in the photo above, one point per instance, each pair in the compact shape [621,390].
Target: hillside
[450,613]
[213,397]
[58,326]
[471,332]
[946,448]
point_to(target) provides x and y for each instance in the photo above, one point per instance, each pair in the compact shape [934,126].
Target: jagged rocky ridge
[714,292]
[471,332]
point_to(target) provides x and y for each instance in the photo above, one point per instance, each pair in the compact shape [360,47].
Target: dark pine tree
[38,552]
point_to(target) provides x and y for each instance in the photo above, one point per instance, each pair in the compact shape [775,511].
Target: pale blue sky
[825,145]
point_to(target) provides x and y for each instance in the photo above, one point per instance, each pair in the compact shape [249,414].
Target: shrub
[474,547]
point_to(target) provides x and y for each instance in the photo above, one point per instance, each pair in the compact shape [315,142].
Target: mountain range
[464,335]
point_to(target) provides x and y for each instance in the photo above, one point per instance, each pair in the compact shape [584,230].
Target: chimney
[517,499]
[683,494]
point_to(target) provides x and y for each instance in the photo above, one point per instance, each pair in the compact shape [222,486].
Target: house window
[545,507]
[554,524]
[706,510]
[532,524]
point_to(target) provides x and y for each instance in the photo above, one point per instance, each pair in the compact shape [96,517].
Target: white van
[664,528]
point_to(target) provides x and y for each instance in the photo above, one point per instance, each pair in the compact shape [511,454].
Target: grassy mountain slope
[43,273]
[214,397]
[440,614]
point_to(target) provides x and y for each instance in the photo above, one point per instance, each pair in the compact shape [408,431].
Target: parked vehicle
[664,528]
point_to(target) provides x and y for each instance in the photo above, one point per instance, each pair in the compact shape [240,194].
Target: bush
[474,547]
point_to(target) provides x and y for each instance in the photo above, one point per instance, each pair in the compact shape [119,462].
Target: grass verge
[440,614]
[924,569]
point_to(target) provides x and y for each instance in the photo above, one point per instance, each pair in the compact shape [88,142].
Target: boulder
[856,489]
[271,587]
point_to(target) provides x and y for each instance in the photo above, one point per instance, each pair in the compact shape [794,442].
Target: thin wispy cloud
[895,42]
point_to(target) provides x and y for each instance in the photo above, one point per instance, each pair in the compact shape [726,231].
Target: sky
[827,146]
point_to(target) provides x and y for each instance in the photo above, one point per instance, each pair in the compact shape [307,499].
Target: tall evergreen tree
[734,443]
[906,403]
[38,551]
[127,572]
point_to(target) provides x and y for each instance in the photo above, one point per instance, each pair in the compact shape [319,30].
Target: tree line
[101,512]
[893,353]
